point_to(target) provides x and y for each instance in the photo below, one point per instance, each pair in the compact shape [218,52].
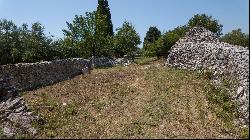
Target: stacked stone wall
[200,49]
[15,116]
[30,75]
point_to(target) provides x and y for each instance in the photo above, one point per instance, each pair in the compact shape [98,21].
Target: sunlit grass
[138,101]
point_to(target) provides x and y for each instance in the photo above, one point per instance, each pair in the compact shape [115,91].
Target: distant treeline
[158,44]
[92,34]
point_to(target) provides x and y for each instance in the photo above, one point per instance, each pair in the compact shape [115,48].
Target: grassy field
[143,100]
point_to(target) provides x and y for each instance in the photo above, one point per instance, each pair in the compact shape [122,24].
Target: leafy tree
[19,44]
[74,37]
[161,46]
[55,50]
[126,40]
[9,42]
[206,22]
[153,46]
[149,46]
[236,37]
[164,44]
[24,36]
[152,35]
[104,24]
[180,30]
[37,44]
[149,49]
[80,37]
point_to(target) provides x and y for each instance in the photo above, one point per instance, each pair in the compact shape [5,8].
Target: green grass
[225,108]
[245,133]
[221,102]
[2,134]
[145,60]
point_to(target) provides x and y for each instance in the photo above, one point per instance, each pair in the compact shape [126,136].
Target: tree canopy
[236,37]
[207,22]
[152,35]
[126,40]
[160,47]
[80,37]
[104,24]
[21,44]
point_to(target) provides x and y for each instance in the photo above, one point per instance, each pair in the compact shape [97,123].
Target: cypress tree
[104,24]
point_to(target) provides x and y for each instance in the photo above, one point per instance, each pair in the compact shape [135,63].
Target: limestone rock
[14,114]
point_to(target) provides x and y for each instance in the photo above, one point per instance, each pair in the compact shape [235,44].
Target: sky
[164,14]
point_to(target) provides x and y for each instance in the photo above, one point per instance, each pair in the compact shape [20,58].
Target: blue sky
[165,14]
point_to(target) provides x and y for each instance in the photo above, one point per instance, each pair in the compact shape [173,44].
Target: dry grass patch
[139,101]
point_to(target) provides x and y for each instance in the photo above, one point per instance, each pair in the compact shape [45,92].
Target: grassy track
[143,100]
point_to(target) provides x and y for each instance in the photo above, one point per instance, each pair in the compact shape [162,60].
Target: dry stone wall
[100,62]
[30,75]
[14,114]
[200,49]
